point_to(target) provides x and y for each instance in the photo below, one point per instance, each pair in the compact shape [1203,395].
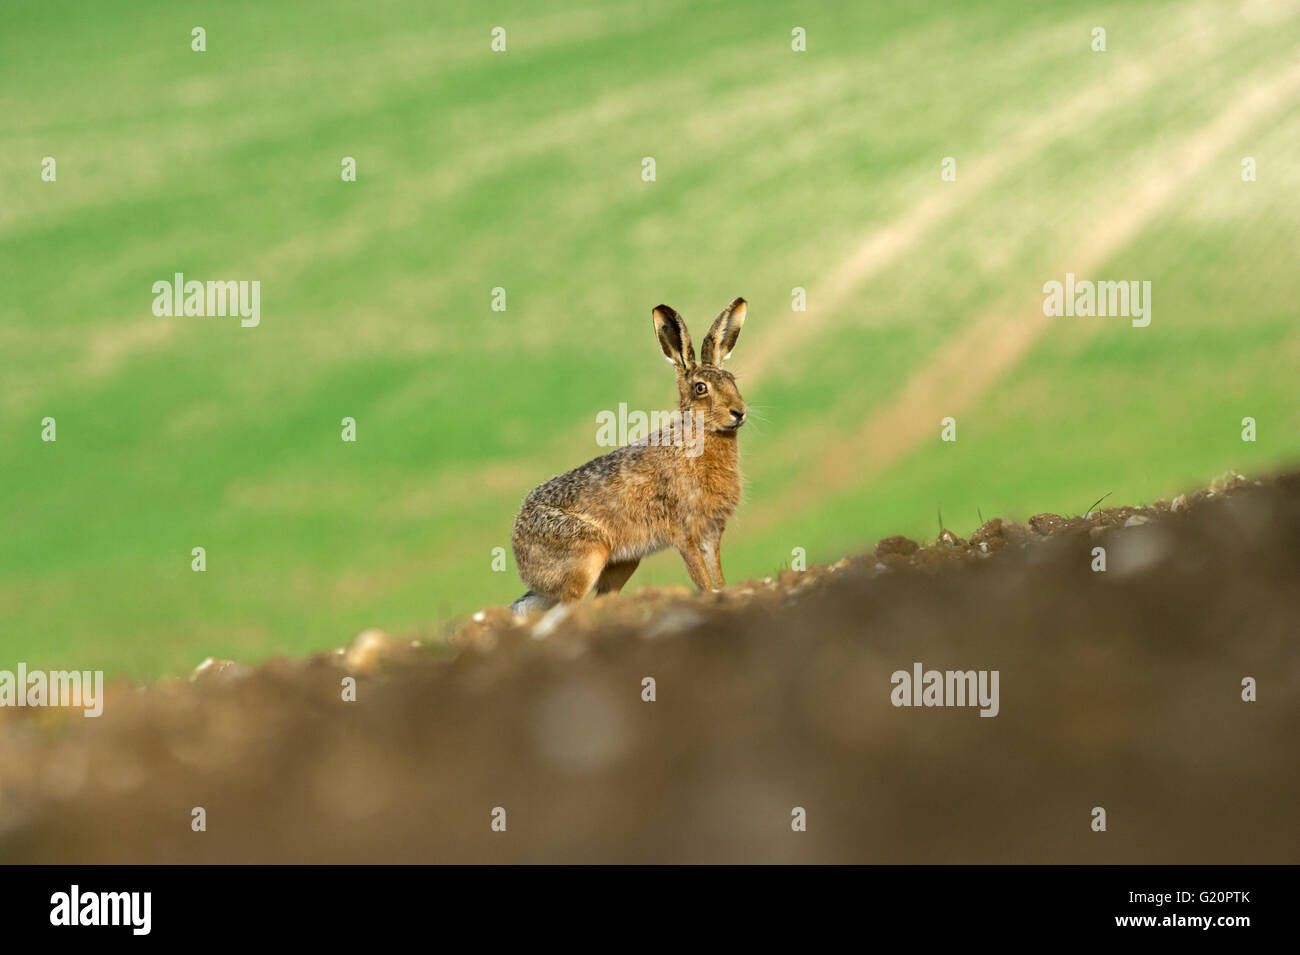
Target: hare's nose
[738,416]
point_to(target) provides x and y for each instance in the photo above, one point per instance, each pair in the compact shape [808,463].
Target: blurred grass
[522,170]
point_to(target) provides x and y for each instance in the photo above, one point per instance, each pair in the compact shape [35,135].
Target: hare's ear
[717,345]
[673,337]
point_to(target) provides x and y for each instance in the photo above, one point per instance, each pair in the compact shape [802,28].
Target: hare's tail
[531,601]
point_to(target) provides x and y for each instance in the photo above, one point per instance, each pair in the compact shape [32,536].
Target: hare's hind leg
[581,571]
[578,574]
[615,575]
[560,555]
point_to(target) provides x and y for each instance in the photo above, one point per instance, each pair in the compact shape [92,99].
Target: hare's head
[705,389]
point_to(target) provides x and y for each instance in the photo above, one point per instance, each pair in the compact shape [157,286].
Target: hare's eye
[701,388]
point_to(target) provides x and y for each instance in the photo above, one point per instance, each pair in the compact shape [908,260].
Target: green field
[522,170]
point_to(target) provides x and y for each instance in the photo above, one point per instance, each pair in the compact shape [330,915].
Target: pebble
[212,668]
[369,649]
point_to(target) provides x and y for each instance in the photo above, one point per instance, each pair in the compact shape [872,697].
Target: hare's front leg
[712,548]
[615,575]
[695,565]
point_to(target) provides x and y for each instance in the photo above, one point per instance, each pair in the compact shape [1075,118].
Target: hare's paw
[531,602]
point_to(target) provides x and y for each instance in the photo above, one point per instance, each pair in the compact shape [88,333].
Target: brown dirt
[1119,689]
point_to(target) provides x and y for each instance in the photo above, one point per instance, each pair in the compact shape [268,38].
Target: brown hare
[590,528]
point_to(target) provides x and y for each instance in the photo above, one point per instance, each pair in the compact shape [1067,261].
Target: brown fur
[590,527]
